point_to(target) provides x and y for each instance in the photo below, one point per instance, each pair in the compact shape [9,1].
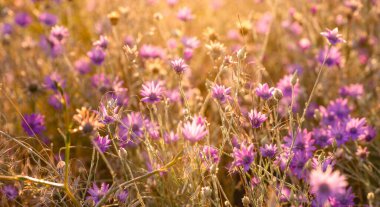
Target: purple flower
[82,65]
[369,135]
[286,87]
[297,165]
[256,118]
[194,130]
[188,53]
[54,81]
[333,36]
[221,93]
[59,34]
[339,108]
[325,184]
[33,124]
[97,193]
[6,29]
[103,143]
[356,128]
[170,137]
[102,42]
[333,58]
[344,199]
[122,196]
[244,156]
[209,154]
[23,19]
[50,46]
[353,90]
[150,51]
[153,129]
[179,65]
[339,134]
[102,82]
[109,111]
[10,191]
[190,42]
[131,130]
[96,55]
[303,143]
[264,92]
[152,92]
[185,14]
[56,100]
[48,19]
[268,150]
[321,137]
[316,164]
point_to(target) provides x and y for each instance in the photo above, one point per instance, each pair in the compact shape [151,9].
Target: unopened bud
[241,54]
[294,79]
[277,94]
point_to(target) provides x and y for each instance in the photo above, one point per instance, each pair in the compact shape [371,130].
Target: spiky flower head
[195,130]
[264,92]
[33,124]
[244,156]
[103,143]
[179,65]
[152,92]
[333,36]
[256,118]
[96,193]
[221,93]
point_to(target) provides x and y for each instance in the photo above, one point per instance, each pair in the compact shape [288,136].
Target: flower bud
[277,94]
[114,17]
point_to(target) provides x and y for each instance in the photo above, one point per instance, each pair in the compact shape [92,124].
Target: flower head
[209,154]
[102,42]
[131,129]
[152,92]
[58,101]
[256,118]
[54,81]
[103,143]
[264,92]
[333,36]
[185,14]
[332,55]
[194,130]
[87,120]
[97,55]
[97,193]
[59,34]
[268,150]
[322,137]
[244,156]
[353,90]
[23,19]
[356,128]
[221,93]
[122,196]
[179,65]
[303,143]
[170,137]
[82,65]
[33,124]
[362,152]
[10,191]
[48,19]
[150,51]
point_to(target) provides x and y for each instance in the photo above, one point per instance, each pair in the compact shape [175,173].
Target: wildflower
[303,143]
[221,93]
[339,134]
[304,44]
[33,124]
[190,42]
[150,51]
[7,29]
[325,184]
[297,165]
[88,121]
[194,130]
[59,33]
[170,137]
[97,193]
[109,111]
[209,154]
[131,129]
[82,65]
[103,143]
[264,92]
[179,65]
[256,118]
[255,181]
[152,128]
[333,36]
[353,90]
[369,135]
[286,88]
[57,101]
[321,137]
[332,55]
[122,196]
[23,19]
[268,150]
[343,199]
[356,128]
[102,42]
[54,81]
[339,108]
[50,46]
[244,156]
[152,92]
[185,14]
[96,55]
[102,82]
[48,19]
[10,191]
[329,161]
[188,53]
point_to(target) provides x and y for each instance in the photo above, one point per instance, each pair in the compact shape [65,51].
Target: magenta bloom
[179,65]
[54,81]
[333,36]
[209,154]
[190,42]
[268,150]
[97,193]
[6,29]
[150,51]
[185,14]
[23,19]
[82,65]
[303,143]
[264,92]
[152,92]
[103,143]
[170,137]
[57,101]
[333,58]
[102,42]
[59,34]
[122,196]
[48,19]
[131,130]
[353,90]
[325,184]
[322,137]
[97,55]
[345,199]
[33,124]
[256,118]
[339,134]
[370,134]
[356,128]
[10,191]
[221,93]
[244,156]
[194,130]
[339,108]
[153,129]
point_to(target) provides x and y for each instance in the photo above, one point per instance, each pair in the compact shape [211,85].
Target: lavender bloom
[96,55]
[97,193]
[179,65]
[328,117]
[244,156]
[102,82]
[286,87]
[131,130]
[102,42]
[268,150]
[339,134]
[353,90]
[150,51]
[152,92]
[109,111]
[153,129]
[333,36]
[50,46]
[325,184]
[6,29]
[185,14]
[221,93]
[369,135]
[194,130]
[103,143]
[54,81]
[264,92]
[33,124]
[321,137]
[333,58]
[356,128]
[23,19]
[10,191]
[48,19]
[303,143]
[256,118]
[57,101]
[59,34]
[210,154]
[170,137]
[345,199]
[122,196]
[316,164]
[339,108]
[190,42]
[82,65]
[297,165]
[188,54]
